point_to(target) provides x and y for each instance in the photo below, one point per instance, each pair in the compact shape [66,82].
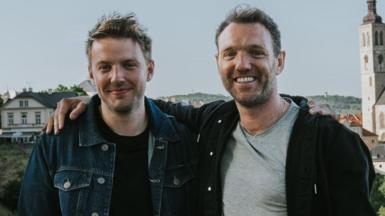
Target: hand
[76,105]
[322,109]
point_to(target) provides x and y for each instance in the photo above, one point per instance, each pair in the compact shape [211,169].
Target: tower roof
[372,16]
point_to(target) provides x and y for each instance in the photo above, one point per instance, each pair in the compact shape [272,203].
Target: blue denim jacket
[72,173]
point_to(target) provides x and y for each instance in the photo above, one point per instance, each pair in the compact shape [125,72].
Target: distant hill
[205,98]
[341,104]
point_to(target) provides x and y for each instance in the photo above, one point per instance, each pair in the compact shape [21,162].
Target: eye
[229,54]
[257,53]
[129,65]
[104,67]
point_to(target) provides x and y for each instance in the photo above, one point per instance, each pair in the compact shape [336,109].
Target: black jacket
[329,170]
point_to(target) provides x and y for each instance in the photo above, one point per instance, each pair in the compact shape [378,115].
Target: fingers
[323,109]
[311,104]
[63,107]
[77,110]
[49,126]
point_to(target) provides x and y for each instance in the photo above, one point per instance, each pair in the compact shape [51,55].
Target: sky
[42,42]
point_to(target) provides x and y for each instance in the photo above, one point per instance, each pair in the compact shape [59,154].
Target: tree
[75,88]
[381,211]
[377,197]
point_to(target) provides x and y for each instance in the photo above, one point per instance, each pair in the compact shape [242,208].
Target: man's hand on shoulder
[74,105]
[322,109]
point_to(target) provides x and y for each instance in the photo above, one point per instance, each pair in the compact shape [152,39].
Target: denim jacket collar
[89,134]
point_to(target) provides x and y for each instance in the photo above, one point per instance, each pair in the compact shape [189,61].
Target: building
[354,123]
[372,53]
[378,157]
[25,115]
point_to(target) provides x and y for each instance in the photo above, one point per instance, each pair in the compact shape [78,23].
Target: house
[378,157]
[354,123]
[25,115]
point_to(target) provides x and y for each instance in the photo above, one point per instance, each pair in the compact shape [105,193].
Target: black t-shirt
[131,193]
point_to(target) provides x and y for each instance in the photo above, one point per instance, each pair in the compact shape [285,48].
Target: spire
[372,16]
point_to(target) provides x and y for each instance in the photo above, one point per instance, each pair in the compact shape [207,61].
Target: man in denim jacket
[122,156]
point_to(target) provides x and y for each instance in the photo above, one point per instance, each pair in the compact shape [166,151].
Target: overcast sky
[42,42]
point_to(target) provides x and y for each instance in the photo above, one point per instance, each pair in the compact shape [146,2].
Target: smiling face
[120,72]
[246,63]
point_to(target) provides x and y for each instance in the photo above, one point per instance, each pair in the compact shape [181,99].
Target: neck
[125,124]
[261,117]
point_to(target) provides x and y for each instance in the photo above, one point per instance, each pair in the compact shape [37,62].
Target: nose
[242,62]
[117,74]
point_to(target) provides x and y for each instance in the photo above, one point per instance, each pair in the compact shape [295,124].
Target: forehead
[237,35]
[115,49]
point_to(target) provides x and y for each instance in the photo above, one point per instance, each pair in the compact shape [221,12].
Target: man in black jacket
[261,154]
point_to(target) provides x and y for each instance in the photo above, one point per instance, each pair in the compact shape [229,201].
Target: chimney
[30,89]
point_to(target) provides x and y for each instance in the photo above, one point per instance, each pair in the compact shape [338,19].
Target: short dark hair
[244,15]
[118,26]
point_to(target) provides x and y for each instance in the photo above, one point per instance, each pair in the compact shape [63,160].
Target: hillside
[340,104]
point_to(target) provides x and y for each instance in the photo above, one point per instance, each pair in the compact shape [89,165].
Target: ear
[90,75]
[150,70]
[280,62]
[216,58]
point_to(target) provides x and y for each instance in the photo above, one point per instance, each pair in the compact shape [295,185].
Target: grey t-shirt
[253,169]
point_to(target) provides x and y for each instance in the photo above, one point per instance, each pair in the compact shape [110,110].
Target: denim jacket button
[101,180]
[154,180]
[209,189]
[95,214]
[67,184]
[211,153]
[160,147]
[104,147]
[176,181]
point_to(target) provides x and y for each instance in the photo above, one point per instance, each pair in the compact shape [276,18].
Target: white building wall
[31,126]
[372,71]
[380,122]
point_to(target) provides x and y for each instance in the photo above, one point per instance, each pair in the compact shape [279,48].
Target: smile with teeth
[244,79]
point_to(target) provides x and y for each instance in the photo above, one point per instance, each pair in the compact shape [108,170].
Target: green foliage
[13,160]
[381,211]
[377,197]
[79,91]
[4,211]
[11,194]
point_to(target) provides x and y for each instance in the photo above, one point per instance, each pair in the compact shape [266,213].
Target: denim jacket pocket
[73,191]
[178,176]
[177,189]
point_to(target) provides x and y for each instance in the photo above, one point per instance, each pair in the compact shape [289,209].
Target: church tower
[372,55]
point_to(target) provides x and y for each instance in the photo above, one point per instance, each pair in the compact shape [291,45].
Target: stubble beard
[268,80]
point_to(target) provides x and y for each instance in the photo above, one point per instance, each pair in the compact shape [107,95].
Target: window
[376,38]
[382,120]
[381,38]
[23,103]
[24,118]
[10,119]
[380,59]
[38,117]
[363,40]
[370,81]
[366,60]
[367,39]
